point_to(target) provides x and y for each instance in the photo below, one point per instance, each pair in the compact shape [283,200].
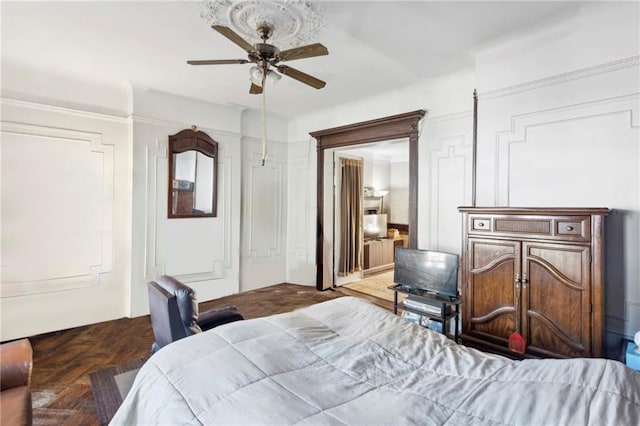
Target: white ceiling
[374,46]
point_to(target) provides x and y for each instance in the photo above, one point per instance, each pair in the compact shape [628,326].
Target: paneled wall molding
[504,140]
[259,178]
[604,68]
[65,110]
[301,190]
[451,152]
[156,181]
[226,195]
[216,273]
[93,138]
[156,157]
[78,275]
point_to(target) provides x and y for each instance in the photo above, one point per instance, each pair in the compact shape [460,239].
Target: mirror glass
[192,177]
[192,183]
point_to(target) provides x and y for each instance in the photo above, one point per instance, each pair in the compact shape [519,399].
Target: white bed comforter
[347,361]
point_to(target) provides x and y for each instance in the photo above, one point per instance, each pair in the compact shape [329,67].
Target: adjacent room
[331,208]
[382,215]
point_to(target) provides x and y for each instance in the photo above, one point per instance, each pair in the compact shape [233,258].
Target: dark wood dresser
[538,271]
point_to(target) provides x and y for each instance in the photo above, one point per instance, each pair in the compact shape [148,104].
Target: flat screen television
[375,226]
[432,271]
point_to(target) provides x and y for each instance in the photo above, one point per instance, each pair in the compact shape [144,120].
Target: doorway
[384,214]
[387,128]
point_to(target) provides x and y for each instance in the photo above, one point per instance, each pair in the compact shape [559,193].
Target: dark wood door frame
[381,129]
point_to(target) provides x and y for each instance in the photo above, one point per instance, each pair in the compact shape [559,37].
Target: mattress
[349,362]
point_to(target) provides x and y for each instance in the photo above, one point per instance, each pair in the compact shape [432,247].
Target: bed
[349,362]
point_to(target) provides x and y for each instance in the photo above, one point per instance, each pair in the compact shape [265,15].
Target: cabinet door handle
[569,228]
[525,281]
[517,282]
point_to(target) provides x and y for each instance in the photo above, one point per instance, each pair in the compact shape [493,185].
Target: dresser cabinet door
[490,303]
[556,299]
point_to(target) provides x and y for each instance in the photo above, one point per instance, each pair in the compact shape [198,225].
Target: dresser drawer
[481,224]
[567,228]
[575,226]
[517,225]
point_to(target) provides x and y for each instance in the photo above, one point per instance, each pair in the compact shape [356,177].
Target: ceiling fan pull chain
[264,117]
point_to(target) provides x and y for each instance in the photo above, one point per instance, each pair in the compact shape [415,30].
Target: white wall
[445,180]
[72,92]
[397,201]
[376,175]
[244,246]
[202,252]
[264,204]
[564,132]
[66,204]
[82,250]
[301,226]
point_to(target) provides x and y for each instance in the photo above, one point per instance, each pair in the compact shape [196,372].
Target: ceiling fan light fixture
[255,75]
[273,77]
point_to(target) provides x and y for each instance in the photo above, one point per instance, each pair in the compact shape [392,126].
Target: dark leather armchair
[174,312]
[16,362]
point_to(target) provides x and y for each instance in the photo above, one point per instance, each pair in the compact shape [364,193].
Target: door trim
[381,129]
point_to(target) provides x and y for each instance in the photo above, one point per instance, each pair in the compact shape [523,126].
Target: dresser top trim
[537,210]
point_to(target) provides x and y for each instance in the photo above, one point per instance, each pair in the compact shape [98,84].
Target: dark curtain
[350,217]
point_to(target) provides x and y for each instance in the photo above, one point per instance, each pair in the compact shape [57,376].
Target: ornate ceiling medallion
[294,22]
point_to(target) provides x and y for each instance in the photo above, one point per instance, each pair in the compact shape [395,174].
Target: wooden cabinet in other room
[537,271]
[379,255]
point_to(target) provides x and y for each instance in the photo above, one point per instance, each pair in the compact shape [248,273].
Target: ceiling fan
[267,56]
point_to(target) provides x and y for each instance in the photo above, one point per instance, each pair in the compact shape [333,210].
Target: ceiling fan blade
[301,77]
[255,89]
[307,51]
[218,62]
[234,37]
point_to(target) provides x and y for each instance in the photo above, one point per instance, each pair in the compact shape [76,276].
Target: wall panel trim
[517,132]
[92,276]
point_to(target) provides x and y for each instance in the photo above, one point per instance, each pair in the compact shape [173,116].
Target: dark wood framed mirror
[193,175]
[387,128]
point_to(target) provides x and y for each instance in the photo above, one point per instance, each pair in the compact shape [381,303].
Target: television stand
[449,306]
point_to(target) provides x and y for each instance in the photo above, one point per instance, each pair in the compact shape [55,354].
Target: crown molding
[64,110]
[607,67]
[135,118]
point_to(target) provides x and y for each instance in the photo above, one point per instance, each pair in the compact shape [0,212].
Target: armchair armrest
[219,316]
[16,362]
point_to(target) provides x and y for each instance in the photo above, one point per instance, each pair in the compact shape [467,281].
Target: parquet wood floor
[62,361]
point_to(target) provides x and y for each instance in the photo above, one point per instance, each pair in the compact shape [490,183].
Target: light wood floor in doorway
[375,285]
